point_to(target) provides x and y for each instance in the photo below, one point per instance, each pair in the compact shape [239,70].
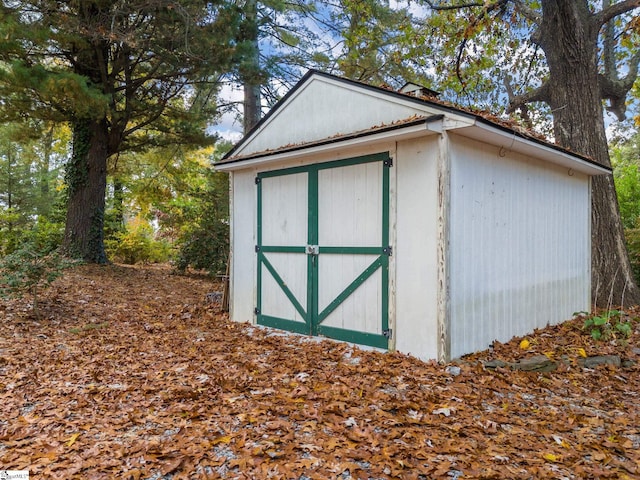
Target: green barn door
[323,249]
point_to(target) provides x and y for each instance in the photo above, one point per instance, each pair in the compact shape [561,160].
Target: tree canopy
[135,81]
[125,75]
[571,57]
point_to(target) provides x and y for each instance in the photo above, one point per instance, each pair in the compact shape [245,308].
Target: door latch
[312,249]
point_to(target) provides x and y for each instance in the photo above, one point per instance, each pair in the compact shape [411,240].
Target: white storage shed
[396,221]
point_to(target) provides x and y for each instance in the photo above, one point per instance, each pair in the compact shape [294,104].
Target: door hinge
[388,333]
[256,311]
[257,248]
[388,162]
[258,180]
[388,250]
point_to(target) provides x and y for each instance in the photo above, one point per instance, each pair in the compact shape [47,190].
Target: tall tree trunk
[87,183]
[86,174]
[250,70]
[569,37]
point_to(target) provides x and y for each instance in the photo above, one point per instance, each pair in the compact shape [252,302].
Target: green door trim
[352,287]
[281,283]
[312,319]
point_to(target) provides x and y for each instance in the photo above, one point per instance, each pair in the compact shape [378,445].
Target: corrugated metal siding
[519,245]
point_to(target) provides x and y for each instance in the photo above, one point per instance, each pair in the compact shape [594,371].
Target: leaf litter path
[131,374]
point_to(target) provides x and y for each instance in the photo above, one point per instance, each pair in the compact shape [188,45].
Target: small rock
[539,363]
[592,362]
[351,422]
[635,351]
[453,370]
[446,411]
[496,364]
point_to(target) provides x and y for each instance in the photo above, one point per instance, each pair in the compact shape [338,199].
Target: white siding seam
[254,268]
[444,192]
[589,299]
[393,203]
[230,293]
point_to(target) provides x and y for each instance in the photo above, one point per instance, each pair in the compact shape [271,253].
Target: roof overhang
[476,128]
[510,141]
[414,128]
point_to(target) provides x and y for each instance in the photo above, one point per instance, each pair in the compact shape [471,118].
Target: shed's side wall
[519,245]
[415,251]
[243,265]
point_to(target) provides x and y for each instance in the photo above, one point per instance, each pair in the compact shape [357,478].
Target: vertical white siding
[350,208]
[243,266]
[350,215]
[415,252]
[284,210]
[292,268]
[519,245]
[284,222]
[362,310]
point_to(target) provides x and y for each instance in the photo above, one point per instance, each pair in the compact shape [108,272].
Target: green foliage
[136,244]
[626,174]
[176,188]
[128,76]
[31,200]
[204,241]
[609,325]
[44,234]
[30,269]
[89,327]
[632,236]
[9,234]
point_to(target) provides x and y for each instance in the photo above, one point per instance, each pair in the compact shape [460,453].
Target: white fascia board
[396,134]
[512,142]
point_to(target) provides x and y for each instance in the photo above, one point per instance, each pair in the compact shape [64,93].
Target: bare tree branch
[435,6]
[540,94]
[612,11]
[612,87]
[615,90]
[527,12]
[608,49]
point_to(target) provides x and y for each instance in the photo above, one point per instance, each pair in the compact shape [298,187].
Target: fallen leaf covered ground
[131,374]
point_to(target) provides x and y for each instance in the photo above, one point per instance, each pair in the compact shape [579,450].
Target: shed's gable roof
[323,109]
[322,106]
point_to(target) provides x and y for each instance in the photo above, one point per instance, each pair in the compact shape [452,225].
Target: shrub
[10,233]
[632,236]
[612,324]
[15,230]
[204,242]
[30,269]
[137,244]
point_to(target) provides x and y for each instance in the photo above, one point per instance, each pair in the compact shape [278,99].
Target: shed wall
[243,225]
[415,250]
[519,252]
[243,241]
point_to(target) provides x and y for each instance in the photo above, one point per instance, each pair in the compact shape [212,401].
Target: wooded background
[109,109]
